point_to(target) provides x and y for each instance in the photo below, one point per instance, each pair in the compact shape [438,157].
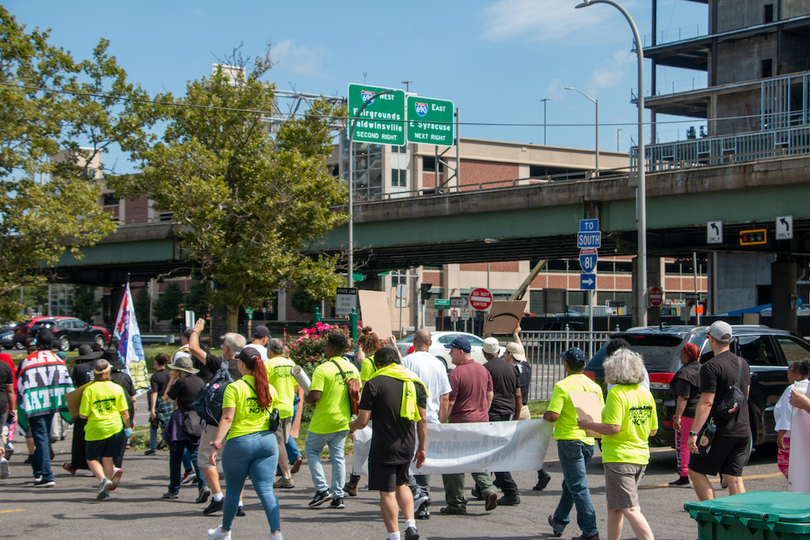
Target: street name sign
[441,303]
[383,120]
[430,121]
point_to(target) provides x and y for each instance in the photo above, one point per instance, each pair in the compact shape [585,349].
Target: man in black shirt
[732,438]
[394,436]
[159,410]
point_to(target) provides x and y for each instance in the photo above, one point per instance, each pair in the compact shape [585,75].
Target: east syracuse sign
[383,119]
[430,121]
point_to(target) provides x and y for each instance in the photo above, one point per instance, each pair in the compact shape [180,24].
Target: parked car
[438,349]
[69,332]
[7,339]
[768,352]
[21,330]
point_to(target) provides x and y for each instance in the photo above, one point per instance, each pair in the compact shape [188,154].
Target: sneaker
[554,530]
[218,534]
[543,478]
[44,483]
[149,453]
[411,534]
[681,481]
[296,465]
[240,512]
[492,502]
[3,468]
[215,506]
[284,483]
[453,511]
[169,495]
[420,505]
[188,478]
[424,514]
[116,477]
[319,498]
[103,489]
[203,495]
[337,503]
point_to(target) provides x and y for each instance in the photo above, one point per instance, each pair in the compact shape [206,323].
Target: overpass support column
[783,295]
[654,279]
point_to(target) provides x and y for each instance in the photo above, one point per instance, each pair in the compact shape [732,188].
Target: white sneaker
[3,468]
[219,534]
[116,477]
[276,536]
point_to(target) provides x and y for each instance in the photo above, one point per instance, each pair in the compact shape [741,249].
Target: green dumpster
[759,515]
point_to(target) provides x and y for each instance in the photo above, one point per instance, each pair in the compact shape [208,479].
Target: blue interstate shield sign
[366,95]
[420,108]
[587,260]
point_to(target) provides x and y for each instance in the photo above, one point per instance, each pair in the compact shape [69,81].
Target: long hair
[253,361]
[369,341]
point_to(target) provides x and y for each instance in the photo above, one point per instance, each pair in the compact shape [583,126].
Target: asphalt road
[135,510]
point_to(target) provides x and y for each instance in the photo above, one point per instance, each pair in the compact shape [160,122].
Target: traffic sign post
[457,302]
[441,303]
[587,260]
[430,121]
[345,300]
[656,296]
[480,299]
[383,119]
[587,282]
[714,232]
[784,228]
[589,239]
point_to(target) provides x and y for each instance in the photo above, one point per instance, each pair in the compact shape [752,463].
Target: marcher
[732,437]
[119,376]
[105,408]
[261,335]
[330,421]
[280,378]
[159,411]
[251,447]
[685,388]
[574,447]
[397,399]
[82,374]
[433,374]
[469,401]
[8,409]
[628,420]
[11,419]
[783,413]
[368,344]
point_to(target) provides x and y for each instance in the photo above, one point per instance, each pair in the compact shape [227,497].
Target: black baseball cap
[575,357]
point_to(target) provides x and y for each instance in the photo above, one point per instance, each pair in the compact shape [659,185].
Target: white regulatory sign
[784,228]
[345,300]
[714,232]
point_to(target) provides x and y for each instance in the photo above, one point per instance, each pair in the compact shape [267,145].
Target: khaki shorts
[205,449]
[284,429]
[621,484]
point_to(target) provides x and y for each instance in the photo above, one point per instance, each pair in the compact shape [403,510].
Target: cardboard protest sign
[74,399]
[374,312]
[588,407]
[504,317]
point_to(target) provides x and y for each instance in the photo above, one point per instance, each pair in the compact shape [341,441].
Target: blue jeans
[175,457]
[314,445]
[41,433]
[255,454]
[574,457]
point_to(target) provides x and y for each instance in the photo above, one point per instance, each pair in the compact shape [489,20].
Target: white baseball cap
[720,330]
[491,346]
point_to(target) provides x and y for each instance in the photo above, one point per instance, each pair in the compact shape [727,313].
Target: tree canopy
[248,201]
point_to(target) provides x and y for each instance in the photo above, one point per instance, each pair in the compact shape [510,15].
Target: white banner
[130,348]
[799,466]
[477,447]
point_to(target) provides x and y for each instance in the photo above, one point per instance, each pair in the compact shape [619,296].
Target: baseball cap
[491,345]
[461,344]
[261,331]
[575,357]
[720,330]
[517,351]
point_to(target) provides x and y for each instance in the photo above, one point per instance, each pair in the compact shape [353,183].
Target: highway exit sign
[430,121]
[383,119]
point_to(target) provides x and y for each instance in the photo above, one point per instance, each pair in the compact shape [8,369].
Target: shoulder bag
[353,387]
[275,416]
[730,405]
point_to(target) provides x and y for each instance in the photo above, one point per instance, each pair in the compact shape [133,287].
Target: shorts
[284,429]
[205,448]
[386,478]
[727,456]
[109,447]
[621,484]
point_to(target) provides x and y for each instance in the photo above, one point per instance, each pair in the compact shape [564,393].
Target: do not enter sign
[656,296]
[480,299]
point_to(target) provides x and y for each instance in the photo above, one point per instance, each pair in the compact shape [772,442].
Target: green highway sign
[383,120]
[441,303]
[430,121]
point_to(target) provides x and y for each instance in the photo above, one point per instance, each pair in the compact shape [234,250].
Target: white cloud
[297,58]
[612,72]
[538,19]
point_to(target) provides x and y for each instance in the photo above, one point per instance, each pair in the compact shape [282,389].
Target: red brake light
[590,374]
[662,378]
[667,423]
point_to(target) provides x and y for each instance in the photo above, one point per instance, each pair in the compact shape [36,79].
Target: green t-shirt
[367,368]
[280,378]
[565,428]
[248,417]
[332,412]
[633,408]
[102,404]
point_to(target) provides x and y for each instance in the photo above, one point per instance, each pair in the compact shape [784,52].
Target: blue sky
[495,59]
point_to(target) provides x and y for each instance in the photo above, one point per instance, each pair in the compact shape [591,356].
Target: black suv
[767,350]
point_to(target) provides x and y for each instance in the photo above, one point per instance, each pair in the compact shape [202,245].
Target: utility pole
[544,119]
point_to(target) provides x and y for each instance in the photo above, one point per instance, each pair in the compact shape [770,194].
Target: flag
[130,348]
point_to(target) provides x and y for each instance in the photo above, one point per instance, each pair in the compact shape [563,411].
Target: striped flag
[130,348]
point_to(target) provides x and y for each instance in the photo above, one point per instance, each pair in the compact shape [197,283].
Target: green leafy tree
[169,306]
[142,308]
[199,298]
[303,302]
[57,116]
[85,304]
[248,202]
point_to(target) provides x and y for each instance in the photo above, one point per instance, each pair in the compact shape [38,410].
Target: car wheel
[64,344]
[99,340]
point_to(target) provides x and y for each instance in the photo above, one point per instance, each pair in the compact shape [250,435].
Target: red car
[68,332]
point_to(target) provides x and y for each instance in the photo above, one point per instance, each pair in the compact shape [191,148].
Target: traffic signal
[753,237]
[424,290]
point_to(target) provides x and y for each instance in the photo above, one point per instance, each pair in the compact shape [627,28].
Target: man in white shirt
[261,335]
[432,372]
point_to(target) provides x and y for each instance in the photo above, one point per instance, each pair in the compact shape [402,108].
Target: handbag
[353,387]
[730,405]
[192,425]
[275,416]
[706,437]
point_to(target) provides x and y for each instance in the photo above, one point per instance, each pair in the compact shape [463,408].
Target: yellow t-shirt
[102,404]
[332,412]
[367,368]
[565,428]
[248,417]
[633,408]
[280,378]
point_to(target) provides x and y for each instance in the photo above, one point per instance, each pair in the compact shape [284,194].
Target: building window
[768,13]
[399,149]
[429,164]
[166,216]
[399,178]
[767,68]
[110,199]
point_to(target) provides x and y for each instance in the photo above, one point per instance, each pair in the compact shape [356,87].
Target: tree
[142,307]
[49,106]
[169,306]
[199,299]
[248,203]
[85,304]
[303,302]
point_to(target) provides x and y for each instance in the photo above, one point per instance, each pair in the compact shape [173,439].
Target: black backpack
[208,402]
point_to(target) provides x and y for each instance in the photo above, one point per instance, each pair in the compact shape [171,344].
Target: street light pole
[596,102]
[544,119]
[641,165]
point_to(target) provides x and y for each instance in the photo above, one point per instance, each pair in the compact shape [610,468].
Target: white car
[438,349]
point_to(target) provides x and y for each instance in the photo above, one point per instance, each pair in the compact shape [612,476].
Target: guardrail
[166,339]
[543,350]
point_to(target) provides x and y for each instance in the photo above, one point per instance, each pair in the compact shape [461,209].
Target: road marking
[15,510]
[717,480]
